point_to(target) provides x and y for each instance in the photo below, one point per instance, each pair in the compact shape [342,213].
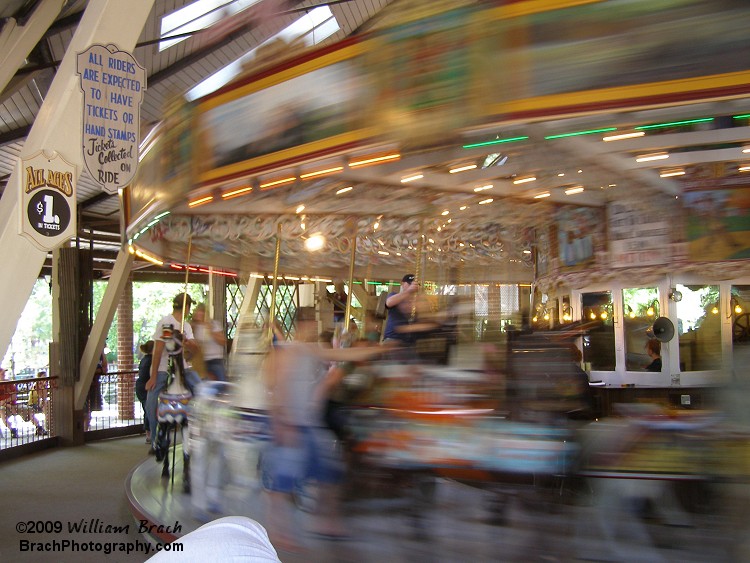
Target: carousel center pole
[272,307]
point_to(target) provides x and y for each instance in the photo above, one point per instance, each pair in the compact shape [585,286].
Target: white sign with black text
[113,83]
[48,200]
[638,236]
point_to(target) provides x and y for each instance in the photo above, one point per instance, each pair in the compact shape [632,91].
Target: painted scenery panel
[718,224]
[314,106]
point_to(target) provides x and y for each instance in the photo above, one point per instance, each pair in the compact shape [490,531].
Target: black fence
[27,415]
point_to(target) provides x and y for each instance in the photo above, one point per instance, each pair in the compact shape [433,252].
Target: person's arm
[402,296]
[155,359]
[355,354]
[217,334]
[334,376]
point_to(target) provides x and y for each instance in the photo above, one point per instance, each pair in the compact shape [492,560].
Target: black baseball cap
[408,278]
[181,298]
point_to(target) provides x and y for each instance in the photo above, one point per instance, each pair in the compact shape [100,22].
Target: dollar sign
[40,208]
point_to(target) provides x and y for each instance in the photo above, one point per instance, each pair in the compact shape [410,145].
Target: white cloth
[212,350]
[229,539]
[187,333]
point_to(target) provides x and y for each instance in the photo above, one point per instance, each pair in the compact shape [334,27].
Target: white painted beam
[57,127]
[17,41]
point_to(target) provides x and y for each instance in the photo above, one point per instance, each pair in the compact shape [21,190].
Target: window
[699,327]
[311,29]
[640,307]
[196,16]
[599,342]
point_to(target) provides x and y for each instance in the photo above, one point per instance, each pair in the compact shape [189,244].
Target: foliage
[29,349]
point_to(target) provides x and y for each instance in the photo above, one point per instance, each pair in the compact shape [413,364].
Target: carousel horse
[172,409]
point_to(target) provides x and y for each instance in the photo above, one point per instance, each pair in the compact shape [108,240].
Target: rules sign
[48,196]
[113,84]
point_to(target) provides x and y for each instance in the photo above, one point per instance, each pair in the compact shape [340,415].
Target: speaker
[662,330]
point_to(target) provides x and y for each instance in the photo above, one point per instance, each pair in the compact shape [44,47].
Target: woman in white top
[209,335]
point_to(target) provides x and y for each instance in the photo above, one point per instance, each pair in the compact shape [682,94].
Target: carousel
[396,153]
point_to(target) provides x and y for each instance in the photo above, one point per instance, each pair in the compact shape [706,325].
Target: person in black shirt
[653,349]
[400,308]
[144,373]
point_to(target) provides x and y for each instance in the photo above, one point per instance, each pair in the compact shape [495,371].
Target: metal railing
[120,407]
[26,413]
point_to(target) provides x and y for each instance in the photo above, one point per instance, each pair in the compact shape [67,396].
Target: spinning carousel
[340,166]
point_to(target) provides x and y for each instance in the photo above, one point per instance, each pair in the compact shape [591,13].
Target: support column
[125,360]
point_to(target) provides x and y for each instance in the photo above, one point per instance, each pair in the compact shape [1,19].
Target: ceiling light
[495,142]
[373,159]
[462,168]
[745,149]
[344,190]
[674,123]
[279,182]
[384,253]
[200,201]
[149,258]
[542,195]
[321,172]
[485,201]
[524,180]
[579,133]
[300,209]
[650,157]
[561,174]
[482,188]
[671,172]
[237,192]
[463,207]
[744,169]
[574,190]
[446,212]
[621,136]
[411,178]
[315,242]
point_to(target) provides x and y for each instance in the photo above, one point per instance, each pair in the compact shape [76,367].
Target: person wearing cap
[400,308]
[159,363]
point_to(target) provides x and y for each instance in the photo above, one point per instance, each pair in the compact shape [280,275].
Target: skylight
[312,28]
[198,15]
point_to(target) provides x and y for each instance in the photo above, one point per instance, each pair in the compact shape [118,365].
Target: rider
[159,363]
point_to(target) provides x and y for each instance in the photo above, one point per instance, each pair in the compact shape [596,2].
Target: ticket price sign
[113,83]
[48,200]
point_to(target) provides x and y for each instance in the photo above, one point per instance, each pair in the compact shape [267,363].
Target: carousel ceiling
[475,208]
[571,162]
